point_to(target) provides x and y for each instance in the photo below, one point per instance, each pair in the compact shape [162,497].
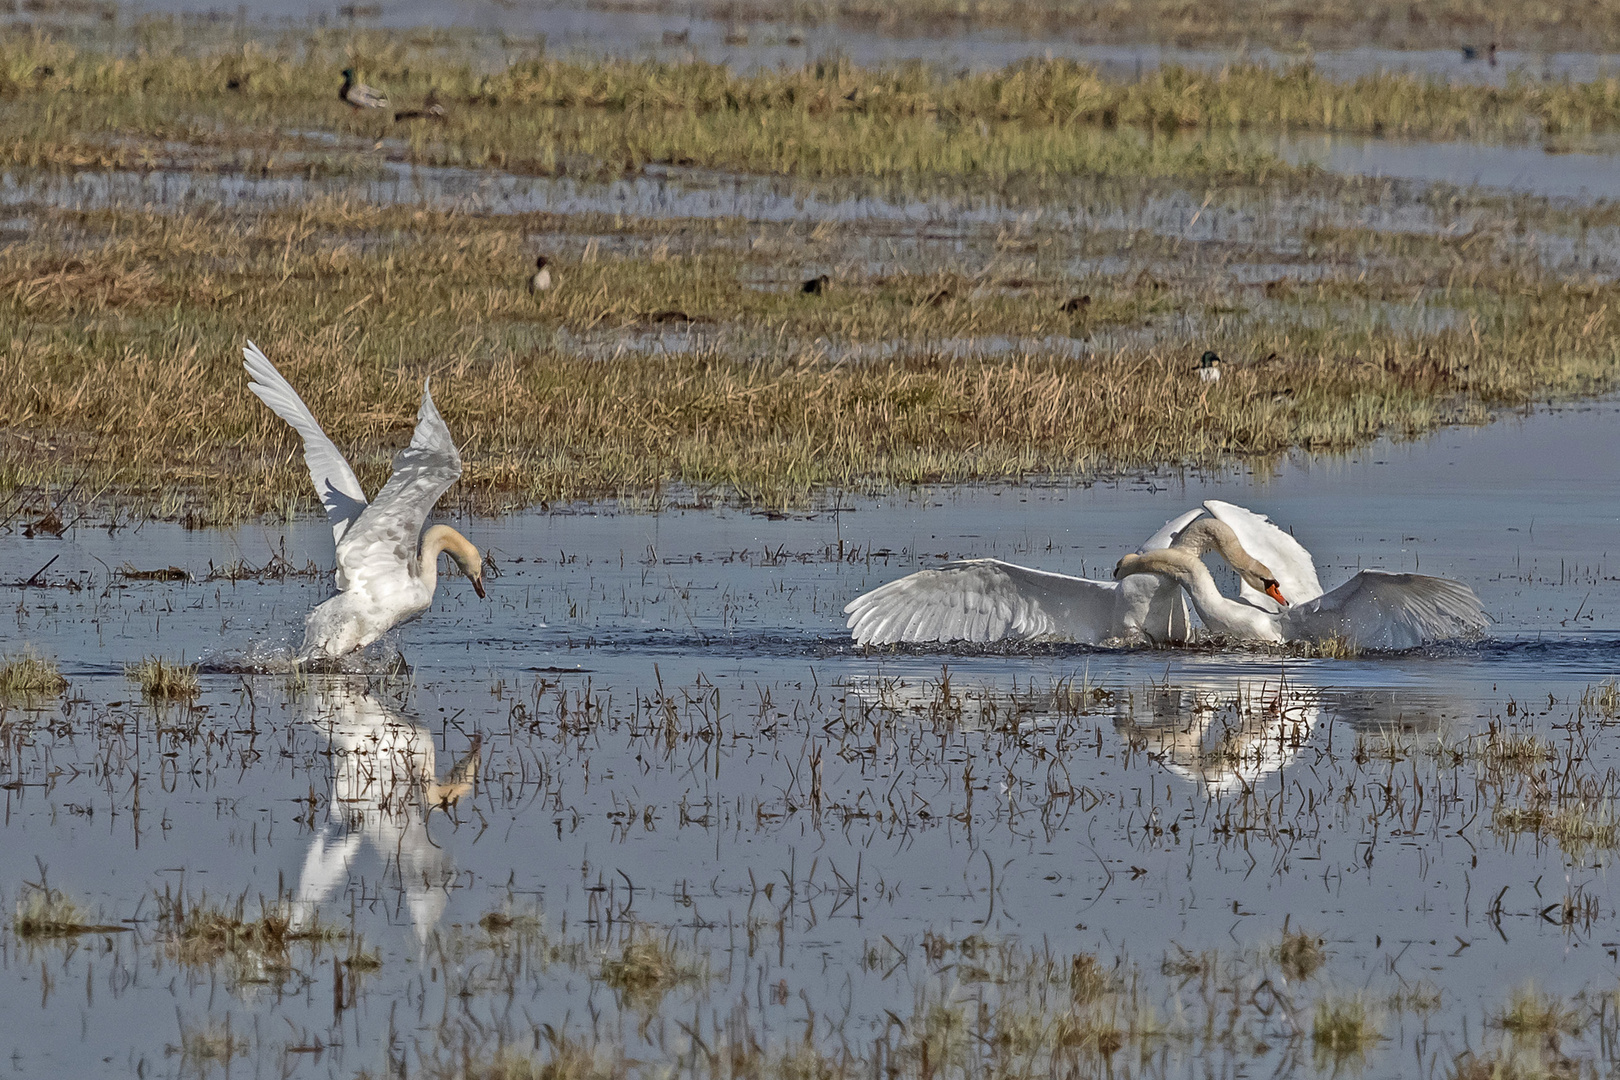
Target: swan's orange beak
[1271,590]
[478,587]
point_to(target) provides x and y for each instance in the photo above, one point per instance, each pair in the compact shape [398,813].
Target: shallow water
[649,691]
[1584,175]
[581,30]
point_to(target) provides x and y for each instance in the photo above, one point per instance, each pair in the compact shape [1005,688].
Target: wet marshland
[646,811]
[655,737]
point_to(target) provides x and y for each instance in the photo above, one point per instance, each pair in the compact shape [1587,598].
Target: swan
[982,600]
[1375,609]
[387,563]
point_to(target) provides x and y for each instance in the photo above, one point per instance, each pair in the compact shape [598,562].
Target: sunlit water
[652,694]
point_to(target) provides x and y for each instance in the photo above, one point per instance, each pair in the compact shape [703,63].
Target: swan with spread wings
[387,556]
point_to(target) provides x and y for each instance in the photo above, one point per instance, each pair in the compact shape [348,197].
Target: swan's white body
[1373,610]
[384,786]
[387,563]
[983,600]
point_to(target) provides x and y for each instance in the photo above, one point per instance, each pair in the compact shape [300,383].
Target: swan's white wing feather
[335,482]
[383,541]
[1172,529]
[1379,610]
[1290,563]
[984,600]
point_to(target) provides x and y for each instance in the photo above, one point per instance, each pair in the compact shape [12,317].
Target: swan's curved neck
[1184,567]
[1212,534]
[442,538]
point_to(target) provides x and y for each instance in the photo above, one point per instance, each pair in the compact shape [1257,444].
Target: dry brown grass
[121,375]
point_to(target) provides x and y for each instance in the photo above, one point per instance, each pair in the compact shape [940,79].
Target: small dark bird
[677,37]
[1490,54]
[816,285]
[1209,367]
[1076,304]
[430,110]
[939,297]
[541,281]
[1470,53]
[358,95]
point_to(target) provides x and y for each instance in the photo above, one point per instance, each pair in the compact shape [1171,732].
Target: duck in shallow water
[387,555]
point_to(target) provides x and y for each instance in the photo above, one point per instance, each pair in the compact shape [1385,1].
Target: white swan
[982,600]
[1373,610]
[387,564]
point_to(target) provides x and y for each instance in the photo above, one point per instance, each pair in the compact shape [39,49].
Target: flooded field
[814,318]
[648,805]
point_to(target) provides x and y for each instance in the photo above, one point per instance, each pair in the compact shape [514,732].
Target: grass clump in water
[646,967]
[27,675]
[1343,1028]
[1300,954]
[44,913]
[199,933]
[1531,1012]
[164,680]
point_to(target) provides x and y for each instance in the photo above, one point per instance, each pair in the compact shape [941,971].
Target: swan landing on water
[387,562]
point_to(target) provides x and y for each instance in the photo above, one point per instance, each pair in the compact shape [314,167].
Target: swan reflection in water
[1232,735]
[1229,738]
[384,790]
[1226,733]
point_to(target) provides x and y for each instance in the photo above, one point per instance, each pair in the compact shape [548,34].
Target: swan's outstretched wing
[1290,563]
[984,600]
[335,482]
[384,538]
[1379,610]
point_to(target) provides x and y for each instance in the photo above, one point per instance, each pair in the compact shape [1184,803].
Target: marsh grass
[1300,954]
[200,933]
[1533,1012]
[77,107]
[27,675]
[358,304]
[1289,25]
[1577,826]
[164,680]
[646,966]
[44,913]
[1343,1027]
[210,1043]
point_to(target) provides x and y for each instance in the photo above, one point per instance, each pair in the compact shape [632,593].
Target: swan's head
[1258,576]
[467,557]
